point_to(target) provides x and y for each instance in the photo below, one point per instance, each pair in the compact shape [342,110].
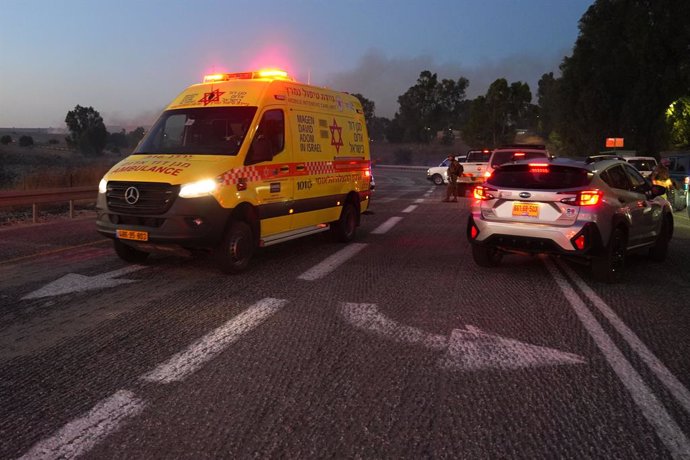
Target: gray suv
[595,212]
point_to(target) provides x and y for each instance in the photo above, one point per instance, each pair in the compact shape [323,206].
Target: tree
[478,130]
[26,141]
[6,139]
[135,136]
[118,140]
[368,107]
[678,119]
[87,130]
[629,63]
[548,101]
[430,106]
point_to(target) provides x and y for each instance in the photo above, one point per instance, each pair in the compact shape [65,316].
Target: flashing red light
[367,173]
[474,232]
[518,154]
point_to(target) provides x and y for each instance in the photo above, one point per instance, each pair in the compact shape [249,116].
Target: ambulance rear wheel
[237,248]
[129,253]
[344,229]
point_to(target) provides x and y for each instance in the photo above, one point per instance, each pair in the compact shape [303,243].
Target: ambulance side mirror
[260,150]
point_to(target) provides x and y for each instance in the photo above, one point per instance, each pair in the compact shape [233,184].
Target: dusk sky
[128,59]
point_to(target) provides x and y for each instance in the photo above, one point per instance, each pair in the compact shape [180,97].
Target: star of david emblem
[339,142]
[213,96]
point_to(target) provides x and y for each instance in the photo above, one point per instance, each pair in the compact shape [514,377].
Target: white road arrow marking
[73,282]
[467,349]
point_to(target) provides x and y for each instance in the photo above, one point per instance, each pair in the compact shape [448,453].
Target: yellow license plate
[133,235]
[526,209]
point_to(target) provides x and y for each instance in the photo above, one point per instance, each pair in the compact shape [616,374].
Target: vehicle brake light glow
[474,232]
[580,242]
[539,168]
[584,198]
[518,154]
[482,193]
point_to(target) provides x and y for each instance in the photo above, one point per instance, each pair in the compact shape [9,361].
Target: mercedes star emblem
[131,195]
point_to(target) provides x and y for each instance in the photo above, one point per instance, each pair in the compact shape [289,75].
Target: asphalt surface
[394,346]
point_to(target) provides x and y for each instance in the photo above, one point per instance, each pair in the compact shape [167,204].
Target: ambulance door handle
[284,169]
[299,167]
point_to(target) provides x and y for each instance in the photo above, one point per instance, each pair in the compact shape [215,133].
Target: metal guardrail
[54,195]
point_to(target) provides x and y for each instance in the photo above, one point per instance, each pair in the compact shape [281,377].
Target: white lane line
[81,435]
[674,386]
[212,344]
[387,225]
[419,200]
[331,263]
[650,406]
[409,209]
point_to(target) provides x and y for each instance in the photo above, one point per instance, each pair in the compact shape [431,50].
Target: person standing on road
[454,171]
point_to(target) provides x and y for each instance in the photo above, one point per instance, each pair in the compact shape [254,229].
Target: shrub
[4,140]
[26,141]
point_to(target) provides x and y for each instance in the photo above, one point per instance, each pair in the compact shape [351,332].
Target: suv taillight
[483,193]
[584,198]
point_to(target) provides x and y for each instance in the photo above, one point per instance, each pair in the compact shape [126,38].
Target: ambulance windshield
[202,131]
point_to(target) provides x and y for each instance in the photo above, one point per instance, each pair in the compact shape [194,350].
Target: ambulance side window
[269,139]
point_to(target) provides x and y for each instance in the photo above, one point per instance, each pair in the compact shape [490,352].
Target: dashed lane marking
[331,263]
[409,209]
[212,344]
[81,435]
[387,225]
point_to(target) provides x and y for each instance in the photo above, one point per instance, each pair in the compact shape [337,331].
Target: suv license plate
[132,235]
[526,209]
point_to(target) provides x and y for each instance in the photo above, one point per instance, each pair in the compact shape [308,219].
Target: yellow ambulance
[240,161]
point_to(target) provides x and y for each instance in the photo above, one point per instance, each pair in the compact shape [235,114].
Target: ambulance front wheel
[129,253]
[237,248]
[344,229]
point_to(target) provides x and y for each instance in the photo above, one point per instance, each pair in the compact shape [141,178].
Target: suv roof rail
[523,146]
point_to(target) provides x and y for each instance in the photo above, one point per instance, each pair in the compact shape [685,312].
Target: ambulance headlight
[102,186]
[197,189]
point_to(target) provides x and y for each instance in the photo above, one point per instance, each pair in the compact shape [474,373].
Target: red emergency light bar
[273,74]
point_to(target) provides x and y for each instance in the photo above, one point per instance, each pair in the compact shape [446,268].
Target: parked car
[515,152]
[643,164]
[679,170]
[439,174]
[595,212]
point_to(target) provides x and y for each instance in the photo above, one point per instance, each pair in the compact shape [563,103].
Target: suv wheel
[658,252]
[486,256]
[608,267]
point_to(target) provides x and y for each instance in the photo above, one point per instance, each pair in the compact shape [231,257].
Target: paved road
[394,346]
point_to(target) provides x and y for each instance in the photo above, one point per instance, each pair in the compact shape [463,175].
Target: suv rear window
[505,156]
[551,177]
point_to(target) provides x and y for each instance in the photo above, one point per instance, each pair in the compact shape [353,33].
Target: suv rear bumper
[528,239]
